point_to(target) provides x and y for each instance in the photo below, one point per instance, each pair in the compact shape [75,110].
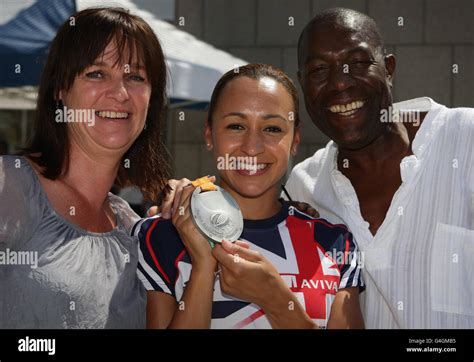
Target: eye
[319,72]
[235,126]
[273,129]
[96,74]
[319,69]
[136,78]
[359,64]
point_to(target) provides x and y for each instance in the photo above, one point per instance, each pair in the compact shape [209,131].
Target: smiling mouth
[346,109]
[252,169]
[112,114]
[257,167]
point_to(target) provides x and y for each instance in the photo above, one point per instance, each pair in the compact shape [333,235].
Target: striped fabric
[419,267]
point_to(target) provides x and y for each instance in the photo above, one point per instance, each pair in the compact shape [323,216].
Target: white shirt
[419,267]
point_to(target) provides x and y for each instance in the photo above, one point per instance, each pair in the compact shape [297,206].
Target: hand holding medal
[215,212]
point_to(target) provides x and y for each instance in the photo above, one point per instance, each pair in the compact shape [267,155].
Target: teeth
[248,167]
[346,109]
[111,114]
[349,113]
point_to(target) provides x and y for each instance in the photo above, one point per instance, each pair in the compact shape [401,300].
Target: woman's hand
[345,310]
[172,188]
[246,274]
[196,244]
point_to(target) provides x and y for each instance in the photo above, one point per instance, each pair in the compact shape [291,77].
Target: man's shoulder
[453,124]
[439,124]
[452,118]
[314,163]
[461,118]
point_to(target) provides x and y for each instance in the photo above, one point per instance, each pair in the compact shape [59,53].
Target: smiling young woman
[55,200]
[283,273]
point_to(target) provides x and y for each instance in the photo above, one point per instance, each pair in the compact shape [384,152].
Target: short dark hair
[369,29]
[78,43]
[255,71]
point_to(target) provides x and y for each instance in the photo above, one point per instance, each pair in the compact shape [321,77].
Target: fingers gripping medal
[215,212]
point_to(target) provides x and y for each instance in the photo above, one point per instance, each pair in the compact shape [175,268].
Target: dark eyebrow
[348,52]
[358,49]
[270,116]
[313,58]
[236,114]
[266,116]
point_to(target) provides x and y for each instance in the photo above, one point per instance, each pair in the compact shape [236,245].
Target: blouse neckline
[118,224]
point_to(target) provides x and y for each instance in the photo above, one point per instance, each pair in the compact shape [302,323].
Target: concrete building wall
[428,37]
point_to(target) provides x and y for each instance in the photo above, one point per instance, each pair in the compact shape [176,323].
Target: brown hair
[255,71]
[78,43]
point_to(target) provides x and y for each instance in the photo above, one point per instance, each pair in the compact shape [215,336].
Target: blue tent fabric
[25,39]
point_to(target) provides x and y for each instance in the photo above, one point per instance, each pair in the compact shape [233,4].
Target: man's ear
[390,64]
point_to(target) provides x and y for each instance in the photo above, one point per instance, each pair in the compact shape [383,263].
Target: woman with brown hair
[100,108]
[288,270]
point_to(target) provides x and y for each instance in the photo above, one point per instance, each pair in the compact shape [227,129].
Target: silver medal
[216,214]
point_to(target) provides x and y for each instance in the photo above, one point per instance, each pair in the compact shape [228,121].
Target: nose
[340,79]
[253,143]
[118,90]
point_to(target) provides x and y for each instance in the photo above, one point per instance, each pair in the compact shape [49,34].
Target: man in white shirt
[401,176]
